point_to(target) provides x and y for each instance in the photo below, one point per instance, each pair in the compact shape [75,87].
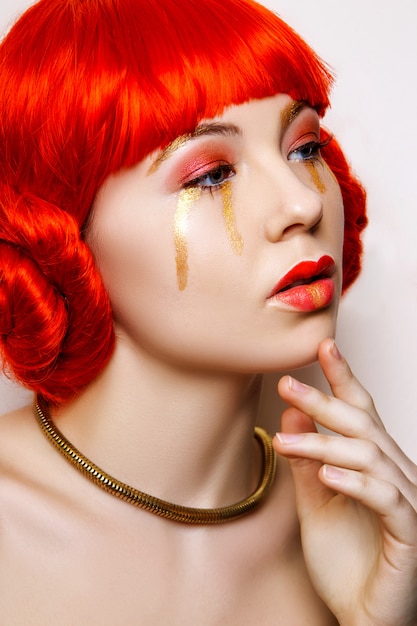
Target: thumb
[310,492]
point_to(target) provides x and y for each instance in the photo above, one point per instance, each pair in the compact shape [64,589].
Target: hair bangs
[123,78]
[195,62]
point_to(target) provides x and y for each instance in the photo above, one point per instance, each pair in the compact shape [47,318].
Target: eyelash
[225,169]
[313,147]
[228,170]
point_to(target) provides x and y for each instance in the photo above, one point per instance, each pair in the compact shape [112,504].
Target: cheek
[188,202]
[331,232]
[337,203]
[336,219]
[331,185]
[135,255]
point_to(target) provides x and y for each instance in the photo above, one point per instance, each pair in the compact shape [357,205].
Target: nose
[292,205]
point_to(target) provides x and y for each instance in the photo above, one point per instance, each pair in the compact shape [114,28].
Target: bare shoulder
[58,532]
[29,474]
[22,448]
[20,458]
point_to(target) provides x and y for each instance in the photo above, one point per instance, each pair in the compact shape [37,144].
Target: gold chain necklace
[175,512]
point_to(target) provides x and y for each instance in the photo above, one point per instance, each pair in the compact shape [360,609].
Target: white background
[373,49]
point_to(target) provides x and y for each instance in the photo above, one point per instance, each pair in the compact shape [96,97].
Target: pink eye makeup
[213,178]
[200,164]
[306,147]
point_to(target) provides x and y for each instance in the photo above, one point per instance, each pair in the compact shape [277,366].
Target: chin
[300,348]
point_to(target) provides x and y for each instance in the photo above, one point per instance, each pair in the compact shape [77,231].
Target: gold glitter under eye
[187,198]
[230,220]
[311,166]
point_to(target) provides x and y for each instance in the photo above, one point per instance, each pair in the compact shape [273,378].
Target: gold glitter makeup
[290,112]
[230,220]
[170,149]
[311,166]
[315,294]
[186,200]
[212,128]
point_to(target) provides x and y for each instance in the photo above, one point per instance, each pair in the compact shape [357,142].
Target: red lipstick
[308,286]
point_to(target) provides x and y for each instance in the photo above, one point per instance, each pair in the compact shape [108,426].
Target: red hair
[92,86]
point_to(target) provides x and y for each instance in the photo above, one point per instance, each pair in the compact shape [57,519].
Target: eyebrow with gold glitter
[200,131]
[290,112]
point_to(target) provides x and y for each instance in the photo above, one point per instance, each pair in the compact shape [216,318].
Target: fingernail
[289,438]
[296,385]
[333,473]
[335,351]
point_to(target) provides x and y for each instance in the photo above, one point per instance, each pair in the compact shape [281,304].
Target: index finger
[343,383]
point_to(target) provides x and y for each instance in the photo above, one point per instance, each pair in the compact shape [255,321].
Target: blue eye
[212,179]
[309,151]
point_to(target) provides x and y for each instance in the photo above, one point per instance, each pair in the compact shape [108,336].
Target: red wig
[88,87]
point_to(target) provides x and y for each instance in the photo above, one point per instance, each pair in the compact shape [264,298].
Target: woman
[174,223]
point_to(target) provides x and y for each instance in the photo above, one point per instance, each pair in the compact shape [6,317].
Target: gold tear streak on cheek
[230,220]
[185,201]
[320,186]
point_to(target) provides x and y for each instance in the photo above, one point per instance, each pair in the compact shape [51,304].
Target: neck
[182,436]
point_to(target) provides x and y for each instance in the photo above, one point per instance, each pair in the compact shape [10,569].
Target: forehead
[284,106]
[232,121]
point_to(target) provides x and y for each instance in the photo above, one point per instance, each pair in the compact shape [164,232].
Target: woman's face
[224,251]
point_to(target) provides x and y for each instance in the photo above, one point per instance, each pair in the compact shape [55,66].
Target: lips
[304,273]
[308,286]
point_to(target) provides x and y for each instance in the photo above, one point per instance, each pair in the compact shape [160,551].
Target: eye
[308,151]
[212,179]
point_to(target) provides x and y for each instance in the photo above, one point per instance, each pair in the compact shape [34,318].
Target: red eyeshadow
[197,161]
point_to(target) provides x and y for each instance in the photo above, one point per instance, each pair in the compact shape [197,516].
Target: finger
[295,421]
[354,454]
[343,383]
[339,416]
[330,412]
[345,386]
[310,492]
[396,513]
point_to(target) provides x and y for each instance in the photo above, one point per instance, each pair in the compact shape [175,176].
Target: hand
[356,499]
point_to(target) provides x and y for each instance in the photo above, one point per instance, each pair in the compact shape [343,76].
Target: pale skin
[173,414]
